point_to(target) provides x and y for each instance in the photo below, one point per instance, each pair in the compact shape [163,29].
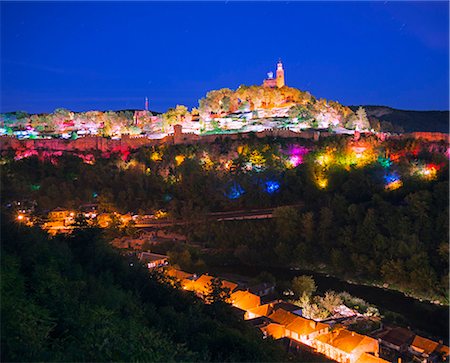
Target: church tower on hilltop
[275,82]
[280,74]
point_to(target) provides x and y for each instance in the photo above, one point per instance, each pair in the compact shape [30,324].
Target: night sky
[109,56]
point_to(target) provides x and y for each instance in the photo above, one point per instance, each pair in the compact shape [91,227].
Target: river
[424,316]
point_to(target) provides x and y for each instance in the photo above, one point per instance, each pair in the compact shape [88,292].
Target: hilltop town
[270,106]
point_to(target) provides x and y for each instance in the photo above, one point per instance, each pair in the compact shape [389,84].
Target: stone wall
[93,143]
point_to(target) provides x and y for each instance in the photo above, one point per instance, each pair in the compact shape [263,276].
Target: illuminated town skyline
[110,56]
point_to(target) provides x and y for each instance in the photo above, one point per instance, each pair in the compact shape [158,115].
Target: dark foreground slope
[76,299]
[430,121]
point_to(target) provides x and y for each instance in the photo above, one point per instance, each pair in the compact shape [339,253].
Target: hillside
[432,121]
[76,299]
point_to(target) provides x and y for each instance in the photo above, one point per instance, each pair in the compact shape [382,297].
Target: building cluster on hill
[283,320]
[273,105]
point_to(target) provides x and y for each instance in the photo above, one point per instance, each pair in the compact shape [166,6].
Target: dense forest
[371,210]
[75,298]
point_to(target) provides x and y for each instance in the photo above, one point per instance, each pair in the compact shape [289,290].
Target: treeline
[356,231]
[63,120]
[190,180]
[76,299]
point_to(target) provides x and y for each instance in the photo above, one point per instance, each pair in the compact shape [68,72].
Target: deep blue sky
[85,55]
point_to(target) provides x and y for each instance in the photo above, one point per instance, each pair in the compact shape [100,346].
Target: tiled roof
[344,339]
[259,322]
[424,345]
[275,330]
[150,257]
[369,358]
[262,310]
[282,316]
[398,336]
[304,326]
[245,300]
[178,274]
[286,306]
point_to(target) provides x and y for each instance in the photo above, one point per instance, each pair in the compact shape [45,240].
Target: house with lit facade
[298,328]
[427,350]
[60,220]
[345,346]
[153,260]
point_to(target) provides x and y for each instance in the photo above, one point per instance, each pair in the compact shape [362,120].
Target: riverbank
[423,317]
[436,300]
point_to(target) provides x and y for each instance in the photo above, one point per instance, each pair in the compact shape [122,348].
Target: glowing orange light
[20,217]
[179,159]
[394,185]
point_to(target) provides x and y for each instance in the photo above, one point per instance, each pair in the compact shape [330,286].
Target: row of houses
[283,320]
[280,319]
[397,341]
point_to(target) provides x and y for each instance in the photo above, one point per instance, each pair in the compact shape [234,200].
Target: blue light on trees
[391,178]
[272,186]
[235,191]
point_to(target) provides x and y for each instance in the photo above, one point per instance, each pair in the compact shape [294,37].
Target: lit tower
[280,74]
[146,103]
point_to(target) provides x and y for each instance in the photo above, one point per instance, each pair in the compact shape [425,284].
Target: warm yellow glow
[161,214]
[242,149]
[394,185]
[256,158]
[206,162]
[20,217]
[324,159]
[179,159]
[427,172]
[228,164]
[322,182]
[156,156]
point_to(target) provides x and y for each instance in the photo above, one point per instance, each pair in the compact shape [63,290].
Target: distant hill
[432,121]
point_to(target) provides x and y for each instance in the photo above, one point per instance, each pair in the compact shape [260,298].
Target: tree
[359,120]
[286,221]
[217,292]
[308,226]
[301,113]
[303,285]
[330,301]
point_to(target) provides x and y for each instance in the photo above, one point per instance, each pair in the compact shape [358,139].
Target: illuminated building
[202,286]
[153,260]
[244,300]
[345,346]
[278,81]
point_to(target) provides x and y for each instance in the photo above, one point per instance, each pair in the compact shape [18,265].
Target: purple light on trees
[296,154]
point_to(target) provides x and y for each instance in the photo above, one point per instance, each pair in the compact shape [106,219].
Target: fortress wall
[91,143]
[430,136]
